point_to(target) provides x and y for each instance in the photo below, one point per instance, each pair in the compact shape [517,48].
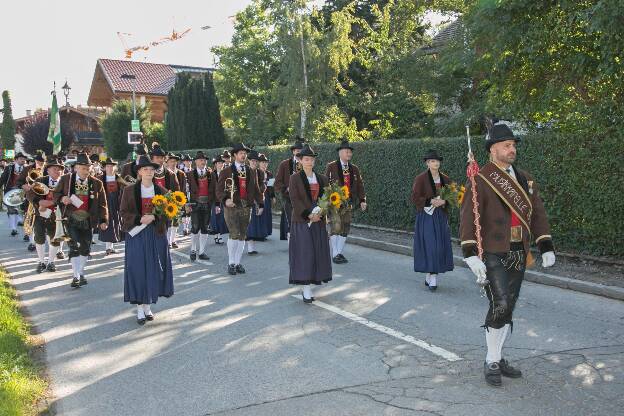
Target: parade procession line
[441,352]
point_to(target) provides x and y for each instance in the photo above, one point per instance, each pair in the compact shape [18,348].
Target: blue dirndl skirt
[148,274]
[261,226]
[432,243]
[217,222]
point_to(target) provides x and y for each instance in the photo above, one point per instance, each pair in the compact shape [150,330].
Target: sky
[53,41]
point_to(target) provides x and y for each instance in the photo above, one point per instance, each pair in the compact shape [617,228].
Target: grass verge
[21,386]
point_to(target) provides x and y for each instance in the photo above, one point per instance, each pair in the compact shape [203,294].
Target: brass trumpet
[229,187]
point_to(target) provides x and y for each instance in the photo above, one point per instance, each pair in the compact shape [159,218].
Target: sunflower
[159,200]
[460,197]
[334,198]
[179,198]
[345,191]
[171,210]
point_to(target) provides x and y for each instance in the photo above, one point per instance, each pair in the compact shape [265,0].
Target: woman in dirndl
[113,185]
[217,220]
[257,229]
[308,247]
[148,274]
[433,253]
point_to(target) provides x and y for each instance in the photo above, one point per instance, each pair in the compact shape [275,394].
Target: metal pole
[134,97]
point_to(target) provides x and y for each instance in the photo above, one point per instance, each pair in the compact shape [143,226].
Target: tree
[116,125]
[194,115]
[35,134]
[7,129]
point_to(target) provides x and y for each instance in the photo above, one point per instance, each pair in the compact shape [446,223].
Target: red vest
[347,180]
[111,187]
[146,206]
[85,203]
[242,187]
[160,181]
[315,189]
[203,186]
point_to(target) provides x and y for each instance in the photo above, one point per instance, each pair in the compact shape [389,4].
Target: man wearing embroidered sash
[85,207]
[201,196]
[511,215]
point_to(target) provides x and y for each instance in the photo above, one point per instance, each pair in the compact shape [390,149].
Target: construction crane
[175,35]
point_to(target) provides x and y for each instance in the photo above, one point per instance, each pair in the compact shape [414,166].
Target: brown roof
[155,79]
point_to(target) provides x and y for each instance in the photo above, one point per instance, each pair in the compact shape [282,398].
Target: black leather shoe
[492,374]
[174,245]
[253,253]
[509,371]
[60,255]
[306,300]
[51,267]
[141,321]
[31,247]
[83,281]
[336,260]
[232,269]
[343,259]
[204,256]
[108,252]
[426,283]
[26,238]
[13,233]
[193,256]
[149,317]
[75,282]
[240,269]
[432,288]
[41,267]
[20,223]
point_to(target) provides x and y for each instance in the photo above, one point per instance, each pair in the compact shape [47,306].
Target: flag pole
[472,171]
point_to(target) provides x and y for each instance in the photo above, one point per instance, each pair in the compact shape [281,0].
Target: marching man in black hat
[8,182]
[22,182]
[238,189]
[44,225]
[346,174]
[285,169]
[217,221]
[114,186]
[172,164]
[201,195]
[186,167]
[511,215]
[84,199]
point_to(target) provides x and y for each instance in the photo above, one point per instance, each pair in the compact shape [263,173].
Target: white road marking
[441,352]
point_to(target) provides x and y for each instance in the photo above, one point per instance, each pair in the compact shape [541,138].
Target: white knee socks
[109,246]
[147,309]
[173,231]
[432,279]
[83,263]
[340,240]
[13,221]
[239,251]
[251,246]
[40,252]
[203,240]
[495,339]
[333,241]
[307,291]
[52,253]
[31,238]
[140,312]
[75,262]
[194,242]
[232,246]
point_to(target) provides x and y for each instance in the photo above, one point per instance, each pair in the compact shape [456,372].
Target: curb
[591,288]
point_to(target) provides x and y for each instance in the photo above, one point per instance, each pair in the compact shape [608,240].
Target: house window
[142,101]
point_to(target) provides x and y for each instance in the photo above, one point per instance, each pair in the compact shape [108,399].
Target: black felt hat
[344,145]
[144,161]
[307,151]
[239,147]
[499,133]
[432,155]
[82,159]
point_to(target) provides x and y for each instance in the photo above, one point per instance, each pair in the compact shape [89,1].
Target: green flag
[54,134]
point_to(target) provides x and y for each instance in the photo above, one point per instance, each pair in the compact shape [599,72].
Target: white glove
[548,259]
[478,268]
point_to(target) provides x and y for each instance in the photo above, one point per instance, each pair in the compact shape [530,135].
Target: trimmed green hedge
[581,180]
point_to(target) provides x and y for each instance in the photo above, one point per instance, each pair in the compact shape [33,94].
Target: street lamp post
[133,78]
[66,89]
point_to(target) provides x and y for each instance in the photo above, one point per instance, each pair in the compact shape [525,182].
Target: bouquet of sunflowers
[168,205]
[453,194]
[334,202]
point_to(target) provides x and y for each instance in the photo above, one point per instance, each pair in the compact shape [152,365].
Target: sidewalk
[582,275]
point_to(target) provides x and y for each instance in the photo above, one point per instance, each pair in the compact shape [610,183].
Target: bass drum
[14,198]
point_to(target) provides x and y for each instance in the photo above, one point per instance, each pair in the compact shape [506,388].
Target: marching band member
[129,168]
[511,214]
[346,174]
[114,186]
[172,164]
[308,247]
[152,277]
[433,253]
[44,224]
[237,190]
[217,221]
[164,178]
[22,181]
[257,229]
[201,196]
[285,169]
[269,194]
[187,166]
[227,158]
[8,182]
[84,198]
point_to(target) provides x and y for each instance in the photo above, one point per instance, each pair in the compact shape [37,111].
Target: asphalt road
[376,342]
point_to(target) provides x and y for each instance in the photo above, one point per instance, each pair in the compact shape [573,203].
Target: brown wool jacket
[253,188]
[194,185]
[284,170]
[130,209]
[334,173]
[98,210]
[128,169]
[496,218]
[301,197]
[424,190]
